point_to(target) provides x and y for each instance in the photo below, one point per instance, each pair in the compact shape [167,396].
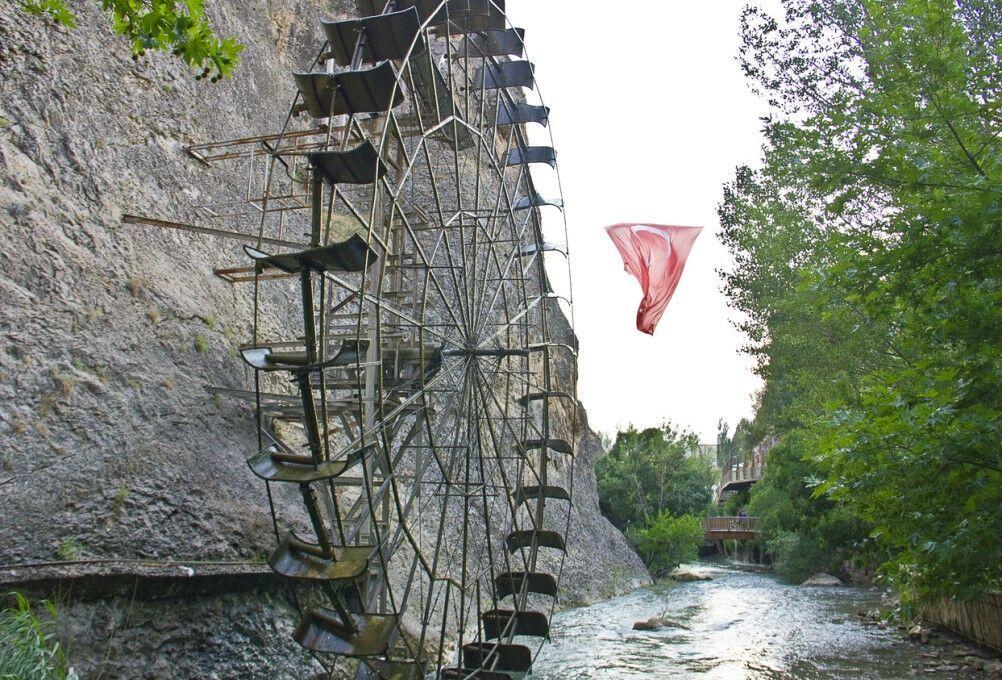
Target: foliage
[867,273]
[652,484]
[27,651]
[734,503]
[726,446]
[923,429]
[795,557]
[668,541]
[168,25]
[68,550]
[651,471]
[804,532]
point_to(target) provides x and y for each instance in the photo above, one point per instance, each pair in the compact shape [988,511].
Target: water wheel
[413,410]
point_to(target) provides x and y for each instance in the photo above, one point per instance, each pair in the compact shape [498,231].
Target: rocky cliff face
[109,444]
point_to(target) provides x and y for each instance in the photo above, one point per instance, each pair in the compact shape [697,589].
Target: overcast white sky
[650,115]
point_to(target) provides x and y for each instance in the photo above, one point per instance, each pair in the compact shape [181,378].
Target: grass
[136,284]
[100,371]
[123,493]
[68,550]
[27,650]
[63,386]
[116,509]
[201,344]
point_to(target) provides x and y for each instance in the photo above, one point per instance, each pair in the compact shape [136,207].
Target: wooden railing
[730,524]
[745,471]
[742,472]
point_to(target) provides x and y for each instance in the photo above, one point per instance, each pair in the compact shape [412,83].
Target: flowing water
[743,625]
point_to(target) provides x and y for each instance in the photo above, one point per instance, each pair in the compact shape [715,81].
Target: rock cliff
[109,445]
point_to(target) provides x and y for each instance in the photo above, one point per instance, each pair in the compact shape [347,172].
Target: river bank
[744,624]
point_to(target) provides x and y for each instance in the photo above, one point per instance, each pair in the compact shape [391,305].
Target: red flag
[655,254]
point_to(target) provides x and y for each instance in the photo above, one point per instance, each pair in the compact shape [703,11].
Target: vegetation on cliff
[180,28]
[28,651]
[868,275]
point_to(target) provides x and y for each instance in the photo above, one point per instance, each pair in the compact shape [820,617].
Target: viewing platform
[730,528]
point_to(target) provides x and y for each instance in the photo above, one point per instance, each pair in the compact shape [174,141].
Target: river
[743,625]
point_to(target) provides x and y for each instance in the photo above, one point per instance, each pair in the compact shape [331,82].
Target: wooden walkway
[738,475]
[730,528]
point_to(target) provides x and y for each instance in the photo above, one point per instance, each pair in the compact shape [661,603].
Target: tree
[168,25]
[668,542]
[803,531]
[652,471]
[726,447]
[867,270]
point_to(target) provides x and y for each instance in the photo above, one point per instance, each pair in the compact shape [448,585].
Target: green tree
[651,471]
[803,531]
[668,541]
[178,27]
[726,446]
[652,484]
[867,271]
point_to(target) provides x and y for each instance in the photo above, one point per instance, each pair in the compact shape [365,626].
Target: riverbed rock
[945,668]
[657,623]
[975,662]
[918,633]
[822,579]
[686,576]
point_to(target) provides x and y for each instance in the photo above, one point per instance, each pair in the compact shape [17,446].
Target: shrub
[668,541]
[795,557]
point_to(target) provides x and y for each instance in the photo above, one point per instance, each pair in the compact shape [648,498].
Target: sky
[650,114]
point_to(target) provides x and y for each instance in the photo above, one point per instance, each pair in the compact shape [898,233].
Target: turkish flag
[655,254]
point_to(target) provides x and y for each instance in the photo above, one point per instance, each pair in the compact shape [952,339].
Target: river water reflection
[743,625]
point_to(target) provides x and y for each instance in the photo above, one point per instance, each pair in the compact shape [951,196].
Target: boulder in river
[657,623]
[822,579]
[918,634]
[685,576]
